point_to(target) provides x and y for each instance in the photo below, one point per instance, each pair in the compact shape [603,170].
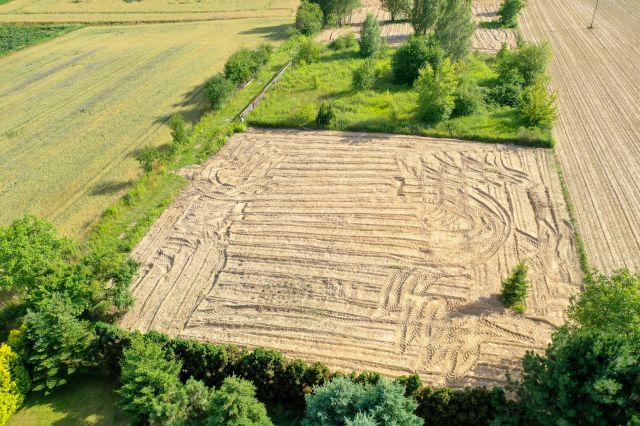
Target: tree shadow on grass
[110,187]
[271,32]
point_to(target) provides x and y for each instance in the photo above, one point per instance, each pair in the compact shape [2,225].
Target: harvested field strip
[363,251]
[596,75]
[100,94]
[118,11]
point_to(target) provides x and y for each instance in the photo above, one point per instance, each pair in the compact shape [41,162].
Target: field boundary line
[256,100]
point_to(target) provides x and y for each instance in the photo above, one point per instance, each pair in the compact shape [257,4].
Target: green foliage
[54,344]
[586,377]
[515,287]
[509,11]
[235,404]
[14,383]
[469,98]
[325,117]
[527,63]
[18,36]
[413,55]
[455,28]
[538,105]
[397,8]
[459,407]
[218,89]
[341,400]
[336,11]
[244,64]
[178,127]
[364,77]
[370,40]
[147,373]
[411,383]
[346,41]
[183,405]
[436,91]
[609,304]
[31,250]
[309,18]
[146,157]
[425,15]
[308,51]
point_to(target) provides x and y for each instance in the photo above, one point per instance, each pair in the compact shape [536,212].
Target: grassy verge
[389,108]
[86,400]
[124,223]
[18,36]
[582,252]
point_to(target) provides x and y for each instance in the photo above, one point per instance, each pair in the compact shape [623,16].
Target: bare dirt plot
[597,76]
[109,11]
[76,108]
[364,251]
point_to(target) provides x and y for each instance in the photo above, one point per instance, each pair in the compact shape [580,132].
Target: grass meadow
[388,108]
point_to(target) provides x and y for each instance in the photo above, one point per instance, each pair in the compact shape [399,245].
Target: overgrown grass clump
[18,36]
[387,107]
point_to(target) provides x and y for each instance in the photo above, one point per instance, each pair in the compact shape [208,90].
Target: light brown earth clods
[366,252]
[597,75]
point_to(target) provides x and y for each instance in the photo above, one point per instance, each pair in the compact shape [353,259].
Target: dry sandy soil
[122,11]
[367,252]
[485,40]
[597,76]
[74,109]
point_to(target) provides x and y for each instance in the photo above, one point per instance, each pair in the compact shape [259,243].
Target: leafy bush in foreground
[509,11]
[413,55]
[370,40]
[346,41]
[436,92]
[514,288]
[538,105]
[244,64]
[14,383]
[325,117]
[308,51]
[218,89]
[469,98]
[364,77]
[235,404]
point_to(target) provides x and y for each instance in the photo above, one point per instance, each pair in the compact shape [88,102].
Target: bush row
[279,380]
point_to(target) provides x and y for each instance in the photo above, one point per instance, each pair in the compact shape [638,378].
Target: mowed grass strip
[18,36]
[106,11]
[388,107]
[77,108]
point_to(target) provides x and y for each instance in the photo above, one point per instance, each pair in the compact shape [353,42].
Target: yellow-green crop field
[109,11]
[75,109]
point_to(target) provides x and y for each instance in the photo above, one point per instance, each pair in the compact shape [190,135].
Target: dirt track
[364,251]
[597,75]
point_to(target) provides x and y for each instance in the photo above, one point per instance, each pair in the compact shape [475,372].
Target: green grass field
[87,400]
[388,108]
[18,36]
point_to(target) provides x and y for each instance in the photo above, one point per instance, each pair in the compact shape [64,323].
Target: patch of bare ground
[597,75]
[366,252]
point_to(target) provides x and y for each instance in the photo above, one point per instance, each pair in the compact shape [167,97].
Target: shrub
[262,54]
[584,377]
[397,8]
[178,129]
[455,28]
[241,67]
[309,18]
[506,94]
[341,400]
[538,105]
[308,52]
[436,92]
[514,288]
[370,40]
[461,407]
[147,374]
[364,77]
[218,89]
[235,404]
[14,383]
[509,11]
[146,156]
[527,63]
[30,250]
[346,41]
[54,344]
[608,303]
[469,98]
[412,56]
[326,117]
[425,14]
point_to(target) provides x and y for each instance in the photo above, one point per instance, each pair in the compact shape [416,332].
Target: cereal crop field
[75,109]
[120,11]
[366,252]
[596,73]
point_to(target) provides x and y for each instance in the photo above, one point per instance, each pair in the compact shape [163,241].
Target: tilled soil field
[597,75]
[366,252]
